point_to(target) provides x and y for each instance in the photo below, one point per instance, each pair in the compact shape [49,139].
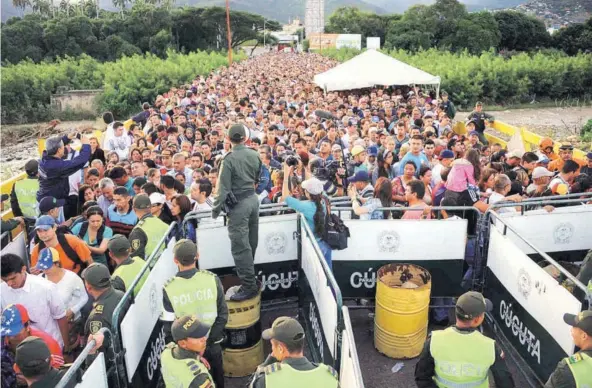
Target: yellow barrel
[242,349]
[402,306]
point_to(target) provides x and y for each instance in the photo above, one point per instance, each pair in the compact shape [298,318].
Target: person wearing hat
[33,360]
[182,362]
[358,160]
[16,328]
[127,267]
[238,177]
[149,229]
[286,366]
[463,348]
[166,158]
[479,117]
[446,158]
[576,370]
[53,207]
[97,281]
[546,147]
[447,106]
[587,169]
[200,293]
[23,197]
[565,154]
[513,160]
[74,253]
[541,177]
[159,209]
[474,140]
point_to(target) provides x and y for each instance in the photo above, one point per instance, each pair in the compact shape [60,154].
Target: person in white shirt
[501,187]
[179,167]
[120,142]
[39,296]
[200,193]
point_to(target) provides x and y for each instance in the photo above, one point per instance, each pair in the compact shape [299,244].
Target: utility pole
[228,32]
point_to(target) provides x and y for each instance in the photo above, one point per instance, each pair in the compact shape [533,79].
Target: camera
[292,160]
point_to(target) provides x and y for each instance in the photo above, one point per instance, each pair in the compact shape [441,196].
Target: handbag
[336,232]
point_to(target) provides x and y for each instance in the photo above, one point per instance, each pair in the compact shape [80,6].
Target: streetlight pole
[228,32]
[264,21]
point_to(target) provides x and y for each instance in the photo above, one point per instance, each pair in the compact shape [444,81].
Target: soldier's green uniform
[148,231]
[184,366]
[239,174]
[101,315]
[575,371]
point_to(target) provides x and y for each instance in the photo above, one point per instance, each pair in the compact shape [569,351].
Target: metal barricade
[128,298]
[311,311]
[89,379]
[350,373]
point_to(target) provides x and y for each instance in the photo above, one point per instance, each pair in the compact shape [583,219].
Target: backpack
[84,228]
[68,250]
[336,233]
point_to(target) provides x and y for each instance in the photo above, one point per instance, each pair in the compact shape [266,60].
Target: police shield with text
[200,293]
[576,370]
[239,175]
[182,361]
[287,367]
[460,356]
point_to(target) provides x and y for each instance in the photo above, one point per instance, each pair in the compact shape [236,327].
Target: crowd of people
[100,204]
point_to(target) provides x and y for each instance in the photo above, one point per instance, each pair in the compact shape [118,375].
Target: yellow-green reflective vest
[461,360]
[155,229]
[197,295]
[180,373]
[128,272]
[580,365]
[282,375]
[26,193]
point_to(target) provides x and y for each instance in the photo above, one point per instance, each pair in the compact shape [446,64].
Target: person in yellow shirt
[565,153]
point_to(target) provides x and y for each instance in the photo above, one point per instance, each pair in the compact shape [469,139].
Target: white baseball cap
[540,172]
[313,186]
[515,154]
[157,198]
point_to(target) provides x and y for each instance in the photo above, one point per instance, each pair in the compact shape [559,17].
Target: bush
[127,82]
[498,80]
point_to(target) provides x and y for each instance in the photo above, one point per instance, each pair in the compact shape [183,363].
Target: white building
[314,16]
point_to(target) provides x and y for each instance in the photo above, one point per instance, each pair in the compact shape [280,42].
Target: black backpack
[84,228]
[336,233]
[68,250]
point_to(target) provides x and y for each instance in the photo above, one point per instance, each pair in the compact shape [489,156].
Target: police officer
[239,174]
[127,268]
[148,231]
[33,360]
[182,363]
[286,366]
[463,348]
[478,117]
[576,371]
[200,293]
[97,282]
[23,197]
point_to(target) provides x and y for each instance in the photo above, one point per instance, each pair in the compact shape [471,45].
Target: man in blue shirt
[415,154]
[120,178]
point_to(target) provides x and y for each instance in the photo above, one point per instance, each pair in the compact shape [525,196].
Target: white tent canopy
[372,68]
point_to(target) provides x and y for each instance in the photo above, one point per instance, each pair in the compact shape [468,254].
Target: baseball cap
[44,223]
[473,133]
[357,150]
[32,166]
[33,356]
[372,151]
[566,147]
[546,142]
[48,203]
[97,275]
[470,122]
[119,245]
[582,321]
[285,330]
[515,154]
[360,176]
[446,154]
[237,132]
[313,185]
[157,199]
[188,326]
[14,318]
[472,304]
[336,147]
[47,256]
[185,251]
[589,155]
[142,201]
[540,172]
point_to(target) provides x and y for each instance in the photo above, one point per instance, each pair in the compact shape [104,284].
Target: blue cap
[44,223]
[14,317]
[48,203]
[360,176]
[589,155]
[372,151]
[473,133]
[47,256]
[446,154]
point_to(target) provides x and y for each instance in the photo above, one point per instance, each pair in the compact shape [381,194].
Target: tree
[575,38]
[521,32]
[475,32]
[351,20]
[415,30]
[22,4]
